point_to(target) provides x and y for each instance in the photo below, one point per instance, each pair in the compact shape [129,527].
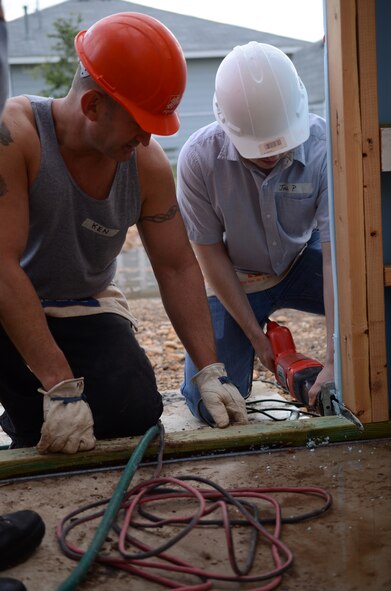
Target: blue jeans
[301,289]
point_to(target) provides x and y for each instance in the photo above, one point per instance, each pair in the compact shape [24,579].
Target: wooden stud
[366,21]
[346,140]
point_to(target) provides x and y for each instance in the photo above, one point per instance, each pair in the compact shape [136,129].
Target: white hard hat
[260,101]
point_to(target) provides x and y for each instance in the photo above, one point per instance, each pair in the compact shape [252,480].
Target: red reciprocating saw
[295,372]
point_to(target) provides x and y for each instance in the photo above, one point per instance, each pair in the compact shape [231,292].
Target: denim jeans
[301,289]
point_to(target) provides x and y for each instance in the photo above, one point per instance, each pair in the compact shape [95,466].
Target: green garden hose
[110,514]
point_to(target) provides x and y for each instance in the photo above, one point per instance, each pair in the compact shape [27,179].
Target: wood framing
[387,275]
[351,41]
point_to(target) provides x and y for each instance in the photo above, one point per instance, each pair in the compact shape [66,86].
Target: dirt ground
[166,352]
[347,548]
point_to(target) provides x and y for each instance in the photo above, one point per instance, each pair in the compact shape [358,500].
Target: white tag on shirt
[299,188]
[98,229]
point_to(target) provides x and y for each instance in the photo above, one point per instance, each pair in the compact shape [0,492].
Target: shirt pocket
[296,208]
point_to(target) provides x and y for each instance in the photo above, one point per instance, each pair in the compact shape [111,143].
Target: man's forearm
[184,298]
[221,277]
[24,321]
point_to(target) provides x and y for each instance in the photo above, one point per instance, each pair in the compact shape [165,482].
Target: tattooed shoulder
[5,135]
[161,217]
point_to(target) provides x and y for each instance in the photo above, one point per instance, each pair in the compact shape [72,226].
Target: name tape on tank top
[98,228]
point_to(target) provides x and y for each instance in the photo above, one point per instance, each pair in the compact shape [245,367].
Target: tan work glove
[221,398]
[68,423]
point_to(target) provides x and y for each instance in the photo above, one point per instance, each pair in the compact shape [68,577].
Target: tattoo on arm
[5,135]
[161,217]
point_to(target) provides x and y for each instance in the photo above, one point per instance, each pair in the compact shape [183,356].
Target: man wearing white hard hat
[252,189]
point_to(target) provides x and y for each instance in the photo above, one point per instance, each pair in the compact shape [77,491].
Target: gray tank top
[74,239]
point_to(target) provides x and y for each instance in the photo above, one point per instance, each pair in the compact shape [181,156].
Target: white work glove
[68,423]
[221,398]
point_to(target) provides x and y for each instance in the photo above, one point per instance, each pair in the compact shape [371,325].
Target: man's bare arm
[21,312]
[175,266]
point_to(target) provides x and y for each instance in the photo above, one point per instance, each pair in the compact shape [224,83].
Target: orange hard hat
[137,61]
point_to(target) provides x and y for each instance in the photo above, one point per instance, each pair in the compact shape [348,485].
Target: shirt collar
[299,154]
[228,150]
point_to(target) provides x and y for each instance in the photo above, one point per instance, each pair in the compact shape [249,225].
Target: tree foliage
[58,75]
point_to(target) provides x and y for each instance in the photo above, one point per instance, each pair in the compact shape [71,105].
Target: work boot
[20,533]
[7,584]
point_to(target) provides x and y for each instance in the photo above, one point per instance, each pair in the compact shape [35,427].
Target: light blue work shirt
[264,219]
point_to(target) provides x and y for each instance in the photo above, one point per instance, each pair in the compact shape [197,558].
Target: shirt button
[268,215]
[274,243]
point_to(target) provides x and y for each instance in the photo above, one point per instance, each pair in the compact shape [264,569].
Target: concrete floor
[348,548]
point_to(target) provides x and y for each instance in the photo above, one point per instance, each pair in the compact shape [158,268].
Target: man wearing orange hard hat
[77,172]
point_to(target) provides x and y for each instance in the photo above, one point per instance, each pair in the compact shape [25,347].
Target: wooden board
[255,436]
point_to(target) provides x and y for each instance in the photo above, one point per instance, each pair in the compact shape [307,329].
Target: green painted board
[254,436]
